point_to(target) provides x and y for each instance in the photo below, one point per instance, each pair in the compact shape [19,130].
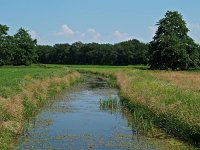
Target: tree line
[21,49]
[171,48]
[123,53]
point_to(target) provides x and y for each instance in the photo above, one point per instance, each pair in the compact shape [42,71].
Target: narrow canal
[78,120]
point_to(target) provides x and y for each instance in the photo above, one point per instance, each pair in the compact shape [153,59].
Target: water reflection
[80,118]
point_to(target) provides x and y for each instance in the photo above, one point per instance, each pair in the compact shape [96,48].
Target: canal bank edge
[19,108]
[153,119]
[165,120]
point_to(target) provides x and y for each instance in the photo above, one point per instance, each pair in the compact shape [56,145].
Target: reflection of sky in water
[75,121]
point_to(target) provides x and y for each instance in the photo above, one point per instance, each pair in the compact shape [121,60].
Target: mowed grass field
[11,77]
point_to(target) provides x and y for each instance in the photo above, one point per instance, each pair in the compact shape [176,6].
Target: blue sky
[103,21]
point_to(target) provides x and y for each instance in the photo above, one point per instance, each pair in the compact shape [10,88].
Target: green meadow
[166,100]
[151,65]
[12,77]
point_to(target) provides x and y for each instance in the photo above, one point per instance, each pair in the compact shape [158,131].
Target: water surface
[76,121]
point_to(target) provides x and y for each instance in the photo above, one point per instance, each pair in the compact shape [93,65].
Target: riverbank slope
[23,91]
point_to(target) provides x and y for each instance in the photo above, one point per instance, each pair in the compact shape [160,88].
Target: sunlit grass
[32,87]
[12,77]
[165,99]
[186,80]
[97,68]
[170,107]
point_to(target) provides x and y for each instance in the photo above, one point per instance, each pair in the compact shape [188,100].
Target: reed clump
[110,104]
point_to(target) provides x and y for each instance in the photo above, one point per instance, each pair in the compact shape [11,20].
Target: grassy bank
[166,100]
[23,91]
[170,100]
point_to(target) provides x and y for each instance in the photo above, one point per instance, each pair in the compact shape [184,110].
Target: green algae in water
[78,120]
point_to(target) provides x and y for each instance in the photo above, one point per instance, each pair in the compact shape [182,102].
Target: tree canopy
[19,49]
[123,53]
[171,47]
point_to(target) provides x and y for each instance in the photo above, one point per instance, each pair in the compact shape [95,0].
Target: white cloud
[95,35]
[194,31]
[121,36]
[70,35]
[67,31]
[33,34]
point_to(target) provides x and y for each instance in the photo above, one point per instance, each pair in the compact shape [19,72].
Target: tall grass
[169,107]
[182,79]
[162,99]
[34,89]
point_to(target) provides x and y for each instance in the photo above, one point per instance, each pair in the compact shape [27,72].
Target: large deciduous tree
[5,46]
[19,49]
[25,54]
[171,47]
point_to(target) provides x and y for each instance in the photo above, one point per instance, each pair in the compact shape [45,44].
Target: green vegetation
[124,53]
[96,68]
[19,49]
[11,77]
[165,104]
[32,87]
[166,100]
[110,104]
[171,47]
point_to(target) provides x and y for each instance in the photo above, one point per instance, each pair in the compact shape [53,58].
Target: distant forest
[21,49]
[124,53]
[171,48]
